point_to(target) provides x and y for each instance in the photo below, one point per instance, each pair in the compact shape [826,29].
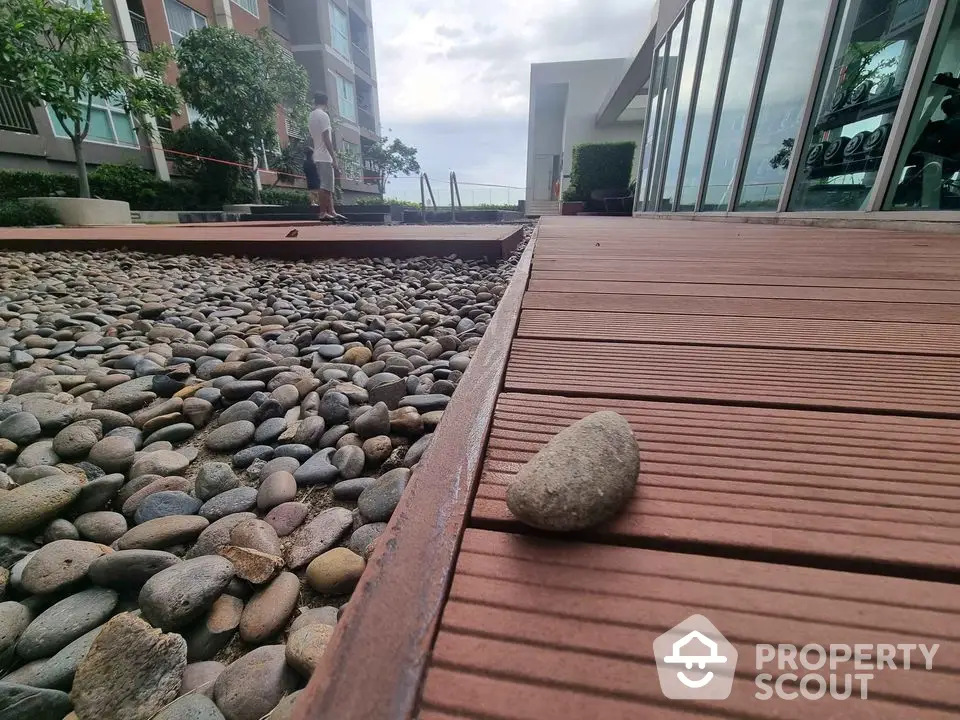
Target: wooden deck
[796,396]
[313,239]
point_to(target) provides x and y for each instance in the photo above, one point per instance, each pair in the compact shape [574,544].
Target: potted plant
[571,204]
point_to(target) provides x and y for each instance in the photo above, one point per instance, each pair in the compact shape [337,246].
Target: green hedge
[137,186]
[26,183]
[600,166]
[17,213]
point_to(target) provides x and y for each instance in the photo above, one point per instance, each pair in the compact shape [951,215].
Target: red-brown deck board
[795,393]
[557,629]
[798,333]
[312,239]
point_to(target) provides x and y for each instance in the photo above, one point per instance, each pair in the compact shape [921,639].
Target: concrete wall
[588,84]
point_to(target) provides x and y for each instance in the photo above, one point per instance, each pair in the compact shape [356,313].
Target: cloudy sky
[454,77]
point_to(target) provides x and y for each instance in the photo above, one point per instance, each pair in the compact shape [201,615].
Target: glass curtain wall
[650,130]
[706,103]
[928,169]
[688,75]
[873,45]
[671,69]
[737,91]
[780,110]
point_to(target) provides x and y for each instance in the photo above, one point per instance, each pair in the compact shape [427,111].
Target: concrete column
[122,14]
[223,13]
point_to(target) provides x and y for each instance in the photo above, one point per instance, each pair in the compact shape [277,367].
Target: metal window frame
[681,19]
[721,95]
[694,97]
[665,44]
[649,126]
[799,148]
[759,84]
[194,14]
[253,3]
[639,195]
[922,55]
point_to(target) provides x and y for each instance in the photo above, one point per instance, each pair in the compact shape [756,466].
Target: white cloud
[463,66]
[447,59]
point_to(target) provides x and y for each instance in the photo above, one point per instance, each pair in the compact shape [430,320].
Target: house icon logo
[695,661]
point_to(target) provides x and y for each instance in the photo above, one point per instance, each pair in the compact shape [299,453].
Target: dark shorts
[325,173]
[313,177]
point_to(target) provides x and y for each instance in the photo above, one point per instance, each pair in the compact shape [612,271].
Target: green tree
[198,150]
[65,57]
[390,159]
[237,83]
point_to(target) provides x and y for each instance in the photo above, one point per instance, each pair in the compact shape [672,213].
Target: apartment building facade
[331,39]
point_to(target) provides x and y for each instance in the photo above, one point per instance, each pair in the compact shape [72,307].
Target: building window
[14,112]
[859,94]
[705,104]
[651,129]
[670,69]
[340,31]
[347,99]
[249,5]
[738,90]
[182,20]
[785,89]
[928,170]
[109,123]
[350,162]
[688,73]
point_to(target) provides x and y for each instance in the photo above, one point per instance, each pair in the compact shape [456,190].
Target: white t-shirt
[320,123]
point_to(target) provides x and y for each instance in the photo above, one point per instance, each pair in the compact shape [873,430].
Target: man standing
[324,155]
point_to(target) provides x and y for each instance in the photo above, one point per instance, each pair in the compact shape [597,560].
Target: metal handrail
[454,196]
[424,180]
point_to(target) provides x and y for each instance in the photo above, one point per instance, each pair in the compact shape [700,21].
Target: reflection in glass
[670,68]
[781,103]
[928,170]
[736,102]
[650,130]
[688,72]
[858,98]
[706,102]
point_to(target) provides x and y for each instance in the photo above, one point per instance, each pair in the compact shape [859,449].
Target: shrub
[272,196]
[215,182]
[600,166]
[387,201]
[28,183]
[17,213]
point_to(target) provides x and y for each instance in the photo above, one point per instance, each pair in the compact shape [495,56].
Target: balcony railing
[361,59]
[370,173]
[366,120]
[279,23]
[14,113]
[141,32]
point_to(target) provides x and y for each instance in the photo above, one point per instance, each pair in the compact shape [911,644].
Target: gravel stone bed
[197,458]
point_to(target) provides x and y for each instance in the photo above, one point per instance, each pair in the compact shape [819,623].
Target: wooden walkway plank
[312,240]
[738,290]
[882,337]
[783,378]
[654,272]
[839,486]
[745,307]
[564,620]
